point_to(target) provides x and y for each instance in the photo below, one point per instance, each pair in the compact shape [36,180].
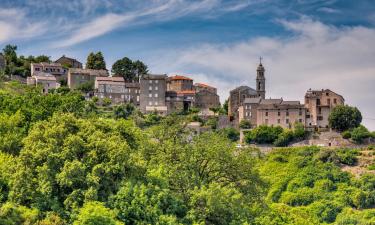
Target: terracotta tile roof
[179,77]
[203,85]
[186,92]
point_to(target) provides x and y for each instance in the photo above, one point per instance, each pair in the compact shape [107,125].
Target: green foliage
[231,133]
[128,69]
[264,134]
[146,204]
[284,138]
[359,134]
[86,86]
[346,134]
[299,132]
[344,118]
[95,213]
[106,102]
[14,214]
[123,111]
[212,122]
[95,61]
[12,131]
[245,124]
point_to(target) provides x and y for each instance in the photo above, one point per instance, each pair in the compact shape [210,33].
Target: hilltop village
[162,94]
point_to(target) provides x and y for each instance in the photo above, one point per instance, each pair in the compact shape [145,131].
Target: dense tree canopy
[96,61]
[344,118]
[128,69]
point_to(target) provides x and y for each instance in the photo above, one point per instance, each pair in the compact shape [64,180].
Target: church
[246,103]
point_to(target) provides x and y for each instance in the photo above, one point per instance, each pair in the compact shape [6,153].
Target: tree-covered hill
[64,160]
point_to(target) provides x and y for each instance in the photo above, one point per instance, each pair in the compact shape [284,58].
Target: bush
[347,156]
[359,134]
[106,102]
[231,133]
[264,134]
[299,131]
[346,134]
[284,138]
[245,124]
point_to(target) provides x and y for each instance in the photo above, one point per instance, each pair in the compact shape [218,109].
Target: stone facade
[2,61]
[179,83]
[248,110]
[319,104]
[45,80]
[111,87]
[54,69]
[133,93]
[77,76]
[69,62]
[152,94]
[200,87]
[237,97]
[277,112]
[205,99]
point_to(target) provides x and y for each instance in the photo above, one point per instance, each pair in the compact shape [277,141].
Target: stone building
[205,99]
[180,94]
[248,110]
[319,104]
[2,61]
[77,76]
[45,80]
[277,112]
[201,86]
[112,88]
[69,62]
[133,93]
[238,95]
[153,94]
[54,69]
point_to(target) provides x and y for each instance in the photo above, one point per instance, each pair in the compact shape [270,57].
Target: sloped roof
[203,85]
[179,77]
[103,73]
[252,100]
[249,90]
[271,101]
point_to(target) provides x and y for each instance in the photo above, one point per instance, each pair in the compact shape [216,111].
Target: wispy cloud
[15,25]
[328,10]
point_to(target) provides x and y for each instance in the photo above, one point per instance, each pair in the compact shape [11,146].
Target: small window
[156,95]
[278,120]
[150,88]
[156,88]
[266,113]
[150,95]
[156,81]
[150,81]
[287,121]
[327,94]
[335,101]
[287,113]
[278,113]
[328,101]
[300,112]
[300,120]
[149,103]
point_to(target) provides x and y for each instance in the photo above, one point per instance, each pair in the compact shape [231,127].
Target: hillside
[65,160]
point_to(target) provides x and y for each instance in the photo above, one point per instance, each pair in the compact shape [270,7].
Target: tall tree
[95,61]
[10,58]
[130,70]
[345,117]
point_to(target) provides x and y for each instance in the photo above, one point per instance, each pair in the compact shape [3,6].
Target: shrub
[359,134]
[231,133]
[299,131]
[106,102]
[328,155]
[347,156]
[346,134]
[245,124]
[284,138]
[264,134]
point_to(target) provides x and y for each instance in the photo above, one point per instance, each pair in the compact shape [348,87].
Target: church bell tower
[261,80]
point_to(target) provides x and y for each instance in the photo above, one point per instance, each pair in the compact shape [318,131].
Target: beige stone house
[77,76]
[45,80]
[112,88]
[319,104]
[54,69]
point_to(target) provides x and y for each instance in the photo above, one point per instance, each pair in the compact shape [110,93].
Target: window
[149,103]
[247,114]
[150,88]
[156,88]
[318,102]
[156,95]
[266,113]
[278,113]
[300,120]
[156,81]
[150,81]
[328,101]
[300,112]
[320,110]
[287,113]
[320,117]
[287,121]
[150,95]
[278,120]
[335,101]
[137,98]
[327,94]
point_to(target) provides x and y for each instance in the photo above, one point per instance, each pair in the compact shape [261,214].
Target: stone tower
[261,80]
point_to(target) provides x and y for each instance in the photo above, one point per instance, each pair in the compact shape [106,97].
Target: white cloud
[317,56]
[15,25]
[329,10]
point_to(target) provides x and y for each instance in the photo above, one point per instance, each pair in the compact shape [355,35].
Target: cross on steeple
[260,60]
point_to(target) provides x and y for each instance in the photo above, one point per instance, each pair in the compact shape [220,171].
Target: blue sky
[305,43]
